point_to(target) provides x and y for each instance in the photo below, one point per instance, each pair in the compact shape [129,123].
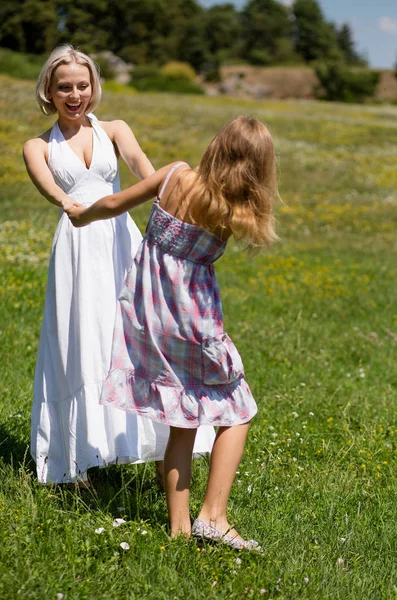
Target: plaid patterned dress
[171,359]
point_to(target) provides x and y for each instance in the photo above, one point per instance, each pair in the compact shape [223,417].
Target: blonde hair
[66,55]
[235,185]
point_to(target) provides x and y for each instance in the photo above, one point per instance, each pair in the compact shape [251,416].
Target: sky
[374,25]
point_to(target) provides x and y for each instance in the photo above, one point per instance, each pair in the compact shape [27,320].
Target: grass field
[316,323]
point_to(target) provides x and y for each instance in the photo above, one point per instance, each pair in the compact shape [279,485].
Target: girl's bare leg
[225,459]
[177,473]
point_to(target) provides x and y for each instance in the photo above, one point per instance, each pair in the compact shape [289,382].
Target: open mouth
[73,107]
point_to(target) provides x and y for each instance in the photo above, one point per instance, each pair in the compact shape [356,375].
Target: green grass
[316,323]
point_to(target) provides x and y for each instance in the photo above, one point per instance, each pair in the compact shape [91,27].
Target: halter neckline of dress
[91,121]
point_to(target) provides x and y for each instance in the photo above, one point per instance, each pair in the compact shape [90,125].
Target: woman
[76,161]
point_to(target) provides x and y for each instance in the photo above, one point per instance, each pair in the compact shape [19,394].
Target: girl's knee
[182,433]
[235,428]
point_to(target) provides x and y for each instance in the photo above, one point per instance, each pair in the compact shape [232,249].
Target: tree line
[263,32]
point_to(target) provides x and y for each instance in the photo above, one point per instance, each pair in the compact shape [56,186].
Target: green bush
[19,65]
[150,78]
[213,76]
[181,71]
[342,83]
[105,69]
[259,58]
[145,71]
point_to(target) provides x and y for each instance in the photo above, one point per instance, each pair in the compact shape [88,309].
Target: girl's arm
[34,154]
[116,204]
[129,149]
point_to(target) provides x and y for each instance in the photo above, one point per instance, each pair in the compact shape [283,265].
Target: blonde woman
[77,161]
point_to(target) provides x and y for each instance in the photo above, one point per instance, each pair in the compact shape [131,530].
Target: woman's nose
[75,93]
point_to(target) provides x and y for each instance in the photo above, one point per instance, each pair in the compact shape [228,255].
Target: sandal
[205,531]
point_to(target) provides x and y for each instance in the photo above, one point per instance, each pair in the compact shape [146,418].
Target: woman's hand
[116,204]
[76,215]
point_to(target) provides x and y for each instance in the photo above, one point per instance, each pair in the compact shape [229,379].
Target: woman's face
[70,90]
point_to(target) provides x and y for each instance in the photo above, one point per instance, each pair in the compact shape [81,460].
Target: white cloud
[388,24]
[288,2]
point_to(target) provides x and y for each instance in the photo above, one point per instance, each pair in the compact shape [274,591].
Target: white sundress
[71,432]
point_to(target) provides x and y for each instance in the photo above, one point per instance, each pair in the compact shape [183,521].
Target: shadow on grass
[14,451]
[133,491]
[129,491]
[119,491]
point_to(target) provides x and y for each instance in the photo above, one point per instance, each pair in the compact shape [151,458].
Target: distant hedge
[174,77]
[345,84]
[20,65]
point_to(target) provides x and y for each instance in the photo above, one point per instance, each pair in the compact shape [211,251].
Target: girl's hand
[116,204]
[67,203]
[76,215]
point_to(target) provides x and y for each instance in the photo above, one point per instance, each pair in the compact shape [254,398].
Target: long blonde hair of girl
[235,185]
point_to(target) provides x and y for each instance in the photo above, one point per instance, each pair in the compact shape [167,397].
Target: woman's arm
[34,154]
[116,204]
[129,149]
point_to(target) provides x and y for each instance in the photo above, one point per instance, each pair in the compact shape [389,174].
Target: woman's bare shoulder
[37,144]
[40,140]
[114,127]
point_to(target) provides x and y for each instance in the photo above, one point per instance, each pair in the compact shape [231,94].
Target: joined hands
[74,210]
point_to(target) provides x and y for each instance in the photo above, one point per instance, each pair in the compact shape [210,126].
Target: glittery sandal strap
[203,530]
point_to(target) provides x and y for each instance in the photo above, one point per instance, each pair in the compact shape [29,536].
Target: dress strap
[166,180]
[54,140]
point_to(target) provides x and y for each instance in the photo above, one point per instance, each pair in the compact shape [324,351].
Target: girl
[77,160]
[171,359]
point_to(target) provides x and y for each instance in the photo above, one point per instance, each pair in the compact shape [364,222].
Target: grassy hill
[316,323]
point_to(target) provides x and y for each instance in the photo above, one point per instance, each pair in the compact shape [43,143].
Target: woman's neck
[72,127]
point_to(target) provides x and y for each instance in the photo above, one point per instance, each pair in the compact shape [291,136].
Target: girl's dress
[71,431]
[171,360]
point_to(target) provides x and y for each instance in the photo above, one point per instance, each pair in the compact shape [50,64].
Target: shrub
[213,76]
[145,71]
[344,84]
[150,78]
[259,58]
[105,69]
[20,65]
[180,71]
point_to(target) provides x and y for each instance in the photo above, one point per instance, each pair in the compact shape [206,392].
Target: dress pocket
[221,361]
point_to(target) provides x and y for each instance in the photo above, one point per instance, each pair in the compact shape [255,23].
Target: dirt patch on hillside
[387,87]
[274,82]
[285,82]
